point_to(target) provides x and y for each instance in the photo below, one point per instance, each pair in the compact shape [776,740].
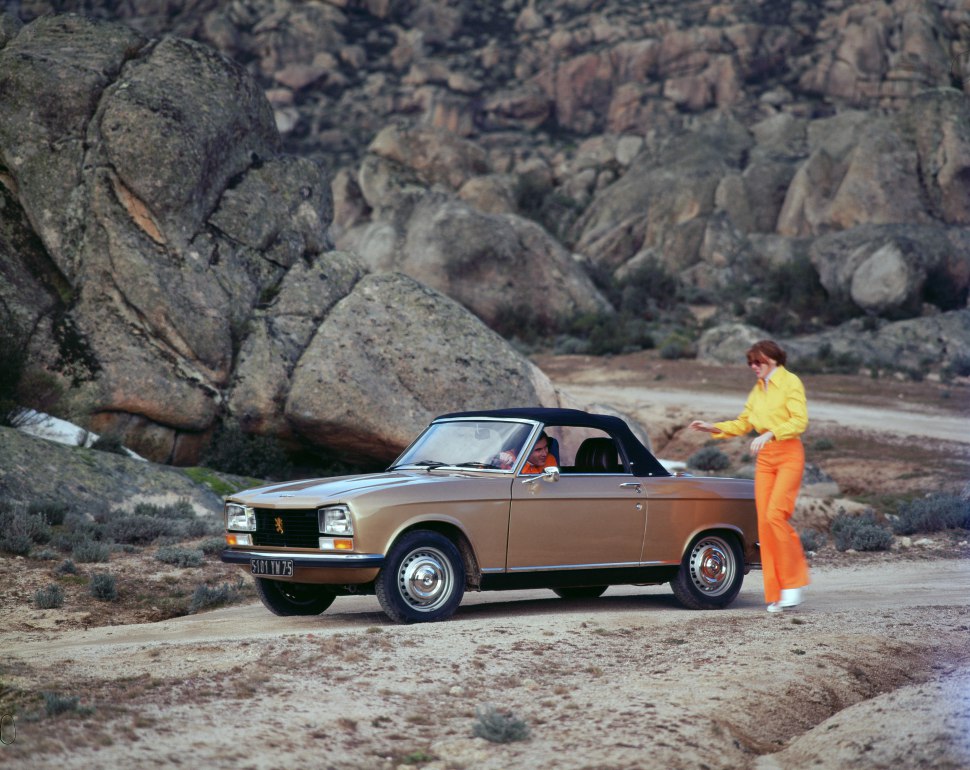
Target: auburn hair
[763,349]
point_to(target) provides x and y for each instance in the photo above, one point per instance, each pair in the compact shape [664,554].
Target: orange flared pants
[777,479]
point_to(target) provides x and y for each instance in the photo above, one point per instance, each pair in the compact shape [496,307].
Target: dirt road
[626,681]
[638,399]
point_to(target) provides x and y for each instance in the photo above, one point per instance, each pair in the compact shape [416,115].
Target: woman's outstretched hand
[703,426]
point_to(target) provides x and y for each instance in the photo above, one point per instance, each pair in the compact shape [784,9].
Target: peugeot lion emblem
[279,524]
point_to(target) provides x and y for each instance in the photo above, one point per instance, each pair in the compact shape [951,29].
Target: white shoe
[791,597]
[775,607]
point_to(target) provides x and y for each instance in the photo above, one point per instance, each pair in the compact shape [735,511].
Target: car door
[581,520]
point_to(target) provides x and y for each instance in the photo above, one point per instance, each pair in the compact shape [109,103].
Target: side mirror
[549,474]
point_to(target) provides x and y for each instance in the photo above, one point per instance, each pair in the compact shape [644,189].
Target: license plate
[274,567]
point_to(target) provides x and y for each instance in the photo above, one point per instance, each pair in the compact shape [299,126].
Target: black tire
[710,574]
[282,598]
[580,592]
[422,580]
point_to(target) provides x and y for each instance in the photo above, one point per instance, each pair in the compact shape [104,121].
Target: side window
[586,450]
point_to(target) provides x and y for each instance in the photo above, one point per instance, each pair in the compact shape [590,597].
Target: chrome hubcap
[712,566]
[426,579]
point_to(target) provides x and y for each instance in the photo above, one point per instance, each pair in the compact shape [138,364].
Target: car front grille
[299,528]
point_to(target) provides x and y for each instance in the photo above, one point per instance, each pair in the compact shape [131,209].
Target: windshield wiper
[474,464]
[429,464]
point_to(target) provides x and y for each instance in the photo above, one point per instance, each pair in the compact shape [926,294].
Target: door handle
[633,485]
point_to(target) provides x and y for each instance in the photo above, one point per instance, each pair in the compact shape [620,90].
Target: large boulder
[663,203]
[499,265]
[392,355]
[174,268]
[892,270]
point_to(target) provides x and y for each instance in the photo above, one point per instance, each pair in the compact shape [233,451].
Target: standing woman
[776,409]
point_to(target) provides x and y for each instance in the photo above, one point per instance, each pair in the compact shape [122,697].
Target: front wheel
[282,598]
[710,574]
[423,578]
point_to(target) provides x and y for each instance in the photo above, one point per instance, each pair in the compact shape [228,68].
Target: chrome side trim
[547,568]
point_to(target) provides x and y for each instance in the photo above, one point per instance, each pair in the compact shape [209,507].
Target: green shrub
[91,552]
[933,513]
[110,442]
[208,597]
[13,361]
[46,555]
[812,540]
[212,545]
[67,567]
[138,529]
[103,587]
[21,528]
[234,451]
[55,703]
[16,543]
[49,597]
[958,367]
[676,346]
[860,533]
[499,727]
[180,557]
[822,445]
[53,514]
[826,361]
[709,458]
[181,510]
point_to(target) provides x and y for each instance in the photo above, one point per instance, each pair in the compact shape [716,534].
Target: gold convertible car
[464,509]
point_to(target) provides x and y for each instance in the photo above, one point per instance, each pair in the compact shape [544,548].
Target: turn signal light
[336,544]
[234,539]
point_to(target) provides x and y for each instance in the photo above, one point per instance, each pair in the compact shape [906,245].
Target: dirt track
[629,680]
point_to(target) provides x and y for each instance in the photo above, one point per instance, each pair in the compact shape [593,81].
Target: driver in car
[540,457]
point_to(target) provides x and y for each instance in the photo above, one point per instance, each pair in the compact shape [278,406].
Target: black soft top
[642,462]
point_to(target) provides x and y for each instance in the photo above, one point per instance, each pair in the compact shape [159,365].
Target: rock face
[175,266]
[199,190]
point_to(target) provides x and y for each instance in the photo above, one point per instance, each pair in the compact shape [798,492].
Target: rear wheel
[579,592]
[423,578]
[282,598]
[710,574]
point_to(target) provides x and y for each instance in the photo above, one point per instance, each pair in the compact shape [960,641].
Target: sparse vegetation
[55,703]
[109,442]
[91,552]
[207,597]
[932,513]
[812,540]
[50,597]
[232,450]
[860,532]
[709,458]
[103,587]
[179,556]
[498,726]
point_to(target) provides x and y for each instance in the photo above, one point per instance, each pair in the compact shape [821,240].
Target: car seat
[597,455]
[554,449]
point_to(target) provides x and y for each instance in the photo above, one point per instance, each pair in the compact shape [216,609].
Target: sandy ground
[873,671]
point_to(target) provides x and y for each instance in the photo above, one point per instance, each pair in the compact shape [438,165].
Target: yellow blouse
[780,408]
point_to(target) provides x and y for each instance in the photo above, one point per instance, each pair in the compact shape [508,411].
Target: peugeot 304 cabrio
[465,508]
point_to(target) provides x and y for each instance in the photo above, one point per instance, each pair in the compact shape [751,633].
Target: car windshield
[484,444]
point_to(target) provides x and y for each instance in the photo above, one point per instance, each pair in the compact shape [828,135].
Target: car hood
[312,492]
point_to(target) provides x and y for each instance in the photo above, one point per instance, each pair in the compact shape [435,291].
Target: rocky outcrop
[904,346]
[175,267]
